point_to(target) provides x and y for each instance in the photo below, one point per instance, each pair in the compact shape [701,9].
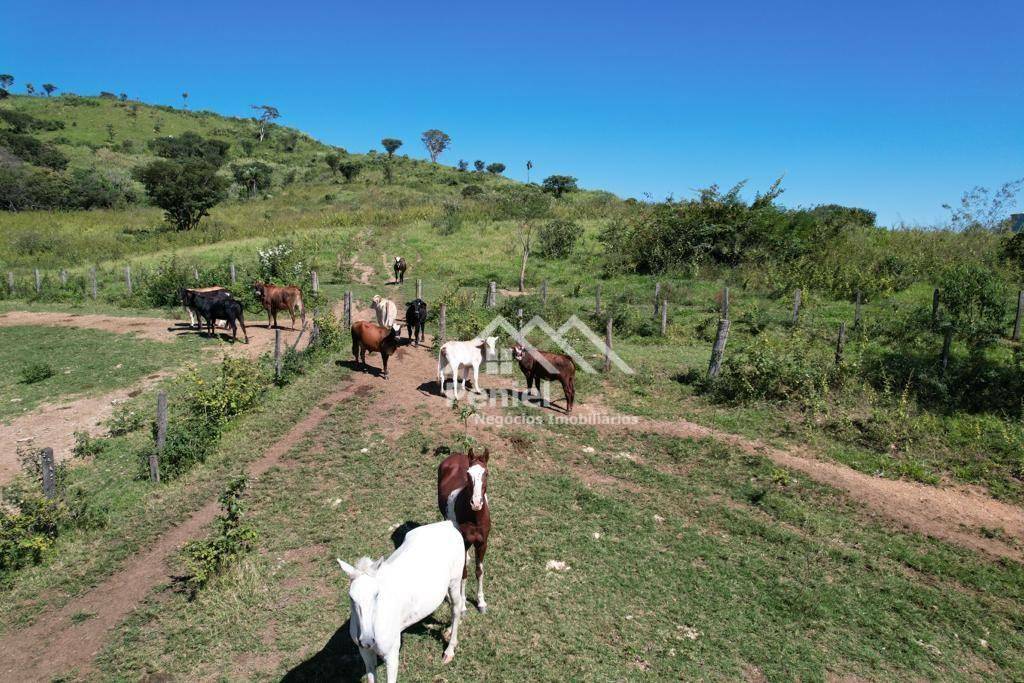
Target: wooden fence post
[161,437]
[277,353]
[315,280]
[39,282]
[840,343]
[1020,314]
[797,295]
[442,323]
[856,311]
[664,316]
[544,293]
[92,281]
[49,473]
[234,276]
[947,345]
[419,288]
[128,279]
[597,301]
[348,309]
[725,303]
[10,281]
[657,297]
[608,346]
[492,294]
[718,350]
[63,278]
[935,305]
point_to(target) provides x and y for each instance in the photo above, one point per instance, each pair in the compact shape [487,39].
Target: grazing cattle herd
[431,563]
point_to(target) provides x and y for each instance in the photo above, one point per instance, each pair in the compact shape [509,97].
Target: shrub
[158,286]
[36,372]
[206,558]
[283,263]
[237,385]
[330,335]
[185,190]
[450,219]
[774,367]
[974,299]
[32,150]
[557,238]
[124,420]
[87,446]
[253,176]
[470,191]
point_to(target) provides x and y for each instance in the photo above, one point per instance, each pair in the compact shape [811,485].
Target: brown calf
[559,367]
[275,299]
[370,337]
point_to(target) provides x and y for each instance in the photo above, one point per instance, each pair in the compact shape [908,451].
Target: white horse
[390,595]
[460,356]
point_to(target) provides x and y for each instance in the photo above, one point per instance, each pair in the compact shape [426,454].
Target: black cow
[415,317]
[400,267]
[215,306]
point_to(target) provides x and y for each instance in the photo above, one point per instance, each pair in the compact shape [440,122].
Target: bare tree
[524,205]
[266,116]
[436,142]
[980,208]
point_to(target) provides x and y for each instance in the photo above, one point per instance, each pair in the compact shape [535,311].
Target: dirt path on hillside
[56,643]
[54,424]
[964,517]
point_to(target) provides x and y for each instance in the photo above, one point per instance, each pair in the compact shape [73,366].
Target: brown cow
[275,299]
[558,366]
[370,337]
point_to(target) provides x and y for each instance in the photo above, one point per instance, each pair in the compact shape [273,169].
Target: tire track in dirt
[55,644]
[954,515]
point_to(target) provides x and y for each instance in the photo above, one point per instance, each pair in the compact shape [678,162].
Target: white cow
[386,311]
[460,356]
[390,595]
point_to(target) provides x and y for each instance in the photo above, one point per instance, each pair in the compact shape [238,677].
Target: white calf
[386,311]
[460,356]
[390,595]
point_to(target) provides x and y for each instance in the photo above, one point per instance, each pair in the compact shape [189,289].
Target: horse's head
[362,593]
[476,477]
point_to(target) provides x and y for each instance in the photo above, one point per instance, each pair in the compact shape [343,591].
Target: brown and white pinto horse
[462,498]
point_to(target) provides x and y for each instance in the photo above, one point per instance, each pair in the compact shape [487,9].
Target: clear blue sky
[895,106]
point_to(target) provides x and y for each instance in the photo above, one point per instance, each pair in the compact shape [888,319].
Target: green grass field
[83,362]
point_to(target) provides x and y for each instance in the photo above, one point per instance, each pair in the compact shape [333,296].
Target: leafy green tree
[436,142]
[185,189]
[30,89]
[391,145]
[559,184]
[184,100]
[496,168]
[49,88]
[191,145]
[267,115]
[529,167]
[350,169]
[6,81]
[333,160]
[462,165]
[974,301]
[253,176]
[479,165]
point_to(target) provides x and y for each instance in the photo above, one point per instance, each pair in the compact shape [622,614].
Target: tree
[436,142]
[496,168]
[190,145]
[524,205]
[529,167]
[267,114]
[979,209]
[333,160]
[123,97]
[387,167]
[559,184]
[253,176]
[49,88]
[478,165]
[349,169]
[6,81]
[184,100]
[185,190]
[30,89]
[462,165]
[391,144]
